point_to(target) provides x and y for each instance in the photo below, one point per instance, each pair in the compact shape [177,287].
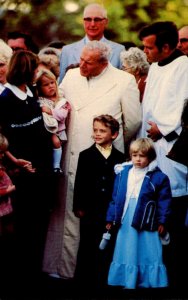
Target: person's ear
[106,23]
[166,48]
[114,135]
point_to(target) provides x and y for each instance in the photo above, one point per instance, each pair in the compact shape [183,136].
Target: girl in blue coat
[141,206]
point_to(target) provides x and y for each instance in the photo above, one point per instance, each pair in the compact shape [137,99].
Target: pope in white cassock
[93,89]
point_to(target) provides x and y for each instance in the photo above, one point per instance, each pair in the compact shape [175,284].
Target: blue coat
[71,54]
[154,200]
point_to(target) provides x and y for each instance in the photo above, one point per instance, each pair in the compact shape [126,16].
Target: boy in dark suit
[92,193]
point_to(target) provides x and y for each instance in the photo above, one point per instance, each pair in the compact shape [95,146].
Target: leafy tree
[49,20]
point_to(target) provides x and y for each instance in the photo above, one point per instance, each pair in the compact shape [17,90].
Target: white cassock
[113,92]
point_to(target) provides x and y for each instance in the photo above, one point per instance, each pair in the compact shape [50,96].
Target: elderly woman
[50,59]
[134,61]
[5,55]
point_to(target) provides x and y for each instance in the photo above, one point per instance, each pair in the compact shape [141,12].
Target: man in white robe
[162,106]
[93,89]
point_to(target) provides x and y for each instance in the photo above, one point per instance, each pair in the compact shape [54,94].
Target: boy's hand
[79,213]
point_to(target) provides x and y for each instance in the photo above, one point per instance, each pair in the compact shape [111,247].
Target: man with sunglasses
[95,22]
[183,39]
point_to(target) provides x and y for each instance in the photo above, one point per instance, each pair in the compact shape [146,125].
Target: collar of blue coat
[120,167]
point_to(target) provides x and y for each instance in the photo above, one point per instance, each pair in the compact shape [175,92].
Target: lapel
[112,46]
[95,89]
[77,48]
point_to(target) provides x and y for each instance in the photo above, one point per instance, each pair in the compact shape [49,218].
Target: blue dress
[137,260]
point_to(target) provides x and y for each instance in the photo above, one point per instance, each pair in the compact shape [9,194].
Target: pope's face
[90,63]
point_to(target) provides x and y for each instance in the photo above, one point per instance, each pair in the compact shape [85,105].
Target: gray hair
[5,52]
[96,6]
[50,57]
[136,59]
[50,51]
[103,49]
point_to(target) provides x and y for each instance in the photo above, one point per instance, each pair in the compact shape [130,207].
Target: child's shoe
[58,171]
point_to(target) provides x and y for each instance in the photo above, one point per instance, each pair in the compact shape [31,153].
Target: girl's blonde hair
[5,52]
[144,145]
[38,81]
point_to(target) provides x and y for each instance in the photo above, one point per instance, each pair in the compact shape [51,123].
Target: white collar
[87,40]
[18,93]
[2,87]
[100,75]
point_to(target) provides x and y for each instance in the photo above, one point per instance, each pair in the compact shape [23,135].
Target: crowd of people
[93,140]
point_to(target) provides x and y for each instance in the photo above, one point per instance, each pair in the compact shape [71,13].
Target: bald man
[183,39]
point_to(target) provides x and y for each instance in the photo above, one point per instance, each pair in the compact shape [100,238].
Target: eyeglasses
[96,20]
[183,40]
[125,68]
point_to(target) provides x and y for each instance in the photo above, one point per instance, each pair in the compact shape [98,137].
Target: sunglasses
[96,20]
[183,40]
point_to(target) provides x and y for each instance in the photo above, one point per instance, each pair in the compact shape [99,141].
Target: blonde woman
[5,55]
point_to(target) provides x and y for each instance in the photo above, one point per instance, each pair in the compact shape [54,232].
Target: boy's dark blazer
[94,180]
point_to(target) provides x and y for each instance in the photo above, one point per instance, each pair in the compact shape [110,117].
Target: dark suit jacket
[94,181]
[92,193]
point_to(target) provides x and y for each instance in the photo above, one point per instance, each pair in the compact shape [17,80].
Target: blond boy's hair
[145,146]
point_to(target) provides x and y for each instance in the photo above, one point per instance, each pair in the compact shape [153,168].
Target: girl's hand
[108,226]
[27,165]
[29,168]
[161,230]
[22,162]
[47,110]
[67,106]
[11,188]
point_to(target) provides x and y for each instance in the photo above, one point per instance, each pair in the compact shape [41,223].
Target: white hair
[5,52]
[51,51]
[135,58]
[96,6]
[103,49]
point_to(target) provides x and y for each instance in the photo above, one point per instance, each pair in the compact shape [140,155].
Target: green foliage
[49,20]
